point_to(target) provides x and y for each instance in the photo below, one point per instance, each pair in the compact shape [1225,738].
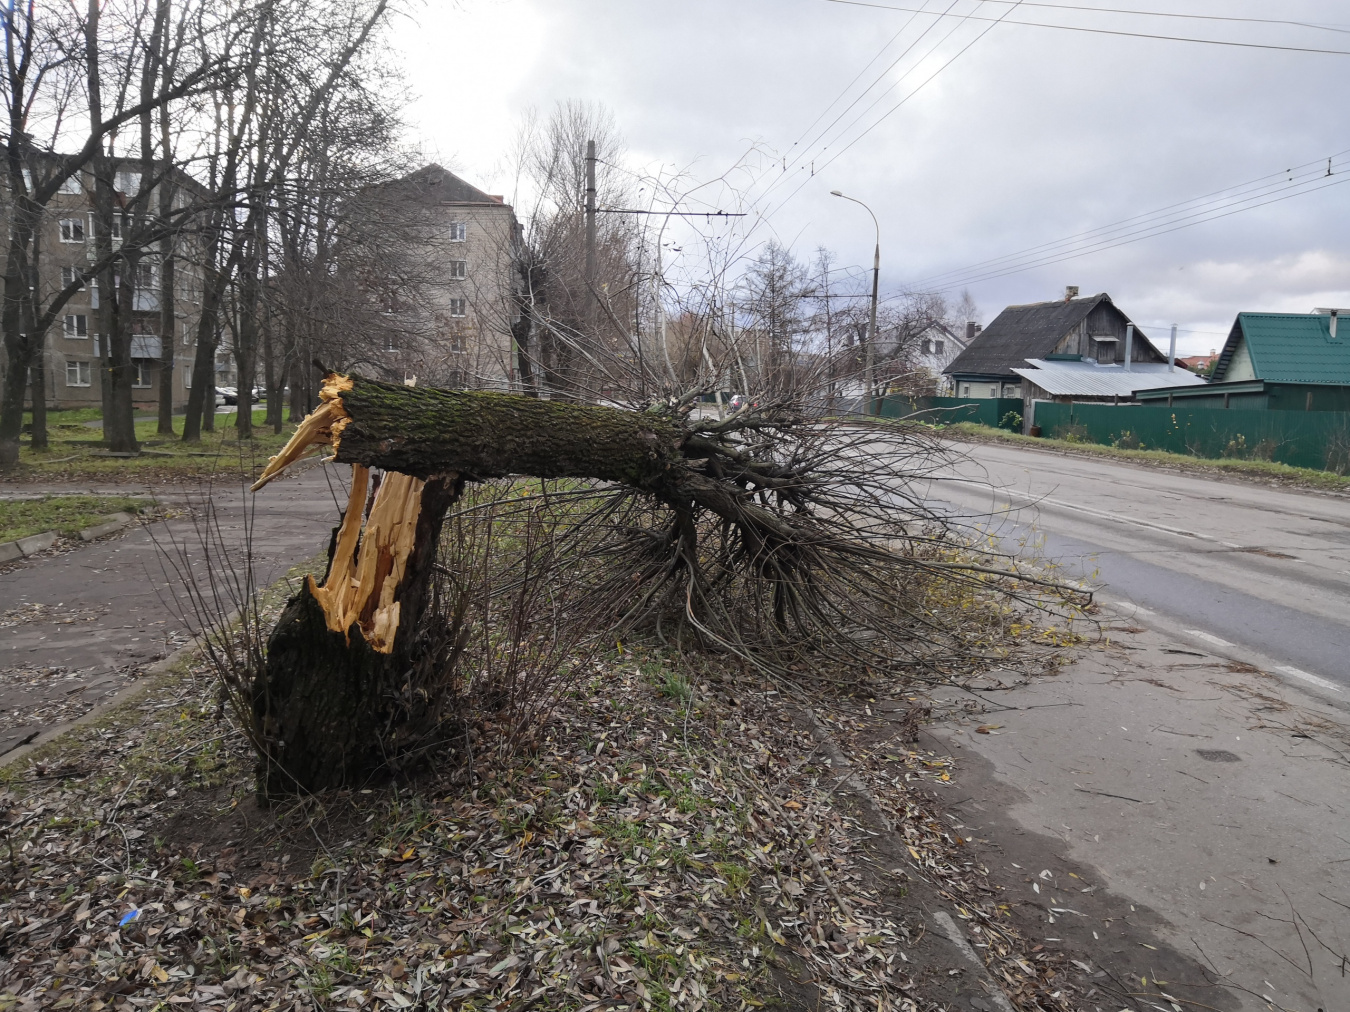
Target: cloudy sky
[981,144]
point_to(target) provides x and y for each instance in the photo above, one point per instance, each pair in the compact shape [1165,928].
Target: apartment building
[74,349]
[455,319]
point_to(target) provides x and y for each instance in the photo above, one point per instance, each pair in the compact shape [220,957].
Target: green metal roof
[1291,348]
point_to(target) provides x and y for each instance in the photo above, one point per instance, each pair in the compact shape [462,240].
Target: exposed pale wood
[365,577]
[321,427]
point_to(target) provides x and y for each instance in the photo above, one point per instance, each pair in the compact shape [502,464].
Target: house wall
[1105,321]
[978,388]
[1240,367]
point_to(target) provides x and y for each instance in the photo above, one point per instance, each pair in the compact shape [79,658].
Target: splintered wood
[321,427]
[368,566]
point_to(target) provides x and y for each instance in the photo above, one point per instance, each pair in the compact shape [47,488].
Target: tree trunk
[336,703]
[333,705]
[39,393]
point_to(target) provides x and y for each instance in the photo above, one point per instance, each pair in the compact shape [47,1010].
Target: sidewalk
[76,627]
[1151,789]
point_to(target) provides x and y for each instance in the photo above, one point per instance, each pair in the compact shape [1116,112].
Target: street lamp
[869,353]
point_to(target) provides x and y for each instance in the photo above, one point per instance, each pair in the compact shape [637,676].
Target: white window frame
[71,184]
[141,381]
[459,231]
[127,176]
[83,373]
[965,390]
[76,326]
[69,275]
[151,267]
[68,227]
[459,308]
[459,270]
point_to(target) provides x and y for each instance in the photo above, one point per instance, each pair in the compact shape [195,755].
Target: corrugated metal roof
[1088,379]
[1292,348]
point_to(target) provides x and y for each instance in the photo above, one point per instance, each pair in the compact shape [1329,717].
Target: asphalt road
[78,625]
[1232,562]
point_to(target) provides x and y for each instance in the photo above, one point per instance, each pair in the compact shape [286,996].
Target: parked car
[227,395]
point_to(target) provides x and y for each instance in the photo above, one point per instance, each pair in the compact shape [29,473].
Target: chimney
[972,328]
[1334,313]
[1070,292]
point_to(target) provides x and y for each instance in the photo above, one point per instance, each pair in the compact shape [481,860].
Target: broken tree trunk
[343,693]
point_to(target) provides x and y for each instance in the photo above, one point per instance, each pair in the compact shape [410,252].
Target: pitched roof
[1022,332]
[433,184]
[1290,348]
[1088,379]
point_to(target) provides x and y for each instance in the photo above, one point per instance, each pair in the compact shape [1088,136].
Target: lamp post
[869,353]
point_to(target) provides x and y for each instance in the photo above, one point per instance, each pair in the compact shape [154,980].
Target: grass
[1306,477]
[65,514]
[76,450]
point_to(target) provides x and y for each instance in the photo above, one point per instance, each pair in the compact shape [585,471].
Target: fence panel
[946,410]
[1315,439]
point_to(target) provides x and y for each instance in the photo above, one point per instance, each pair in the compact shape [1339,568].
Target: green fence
[1316,439]
[946,410]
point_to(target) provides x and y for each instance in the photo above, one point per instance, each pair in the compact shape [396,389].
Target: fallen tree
[782,540]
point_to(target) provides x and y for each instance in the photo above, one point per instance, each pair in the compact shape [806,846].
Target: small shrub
[1075,432]
[1236,448]
[1127,440]
[1012,421]
[1338,451]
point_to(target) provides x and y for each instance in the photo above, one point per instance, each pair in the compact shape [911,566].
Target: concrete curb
[141,686]
[11,551]
[112,523]
[852,783]
[24,547]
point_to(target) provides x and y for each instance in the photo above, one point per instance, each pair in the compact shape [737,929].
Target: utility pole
[591,294]
[869,353]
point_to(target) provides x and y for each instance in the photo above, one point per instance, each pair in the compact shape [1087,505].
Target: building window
[71,184]
[993,391]
[127,181]
[76,325]
[117,226]
[459,231]
[937,347]
[141,377]
[72,230]
[459,270]
[77,374]
[147,277]
[390,342]
[187,379]
[965,389]
[458,307]
[70,276]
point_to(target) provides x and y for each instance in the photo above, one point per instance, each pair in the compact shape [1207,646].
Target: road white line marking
[1320,682]
[1104,515]
[1208,637]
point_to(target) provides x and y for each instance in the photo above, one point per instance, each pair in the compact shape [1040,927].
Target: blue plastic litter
[128,917]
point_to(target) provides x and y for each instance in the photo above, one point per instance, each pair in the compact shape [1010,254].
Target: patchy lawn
[76,451]
[65,514]
[1281,474]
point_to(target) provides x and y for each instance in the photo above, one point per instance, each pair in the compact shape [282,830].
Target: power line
[1054,259]
[1250,190]
[1174,14]
[1101,31]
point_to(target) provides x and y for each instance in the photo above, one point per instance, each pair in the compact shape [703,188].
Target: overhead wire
[1211,207]
[1103,31]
